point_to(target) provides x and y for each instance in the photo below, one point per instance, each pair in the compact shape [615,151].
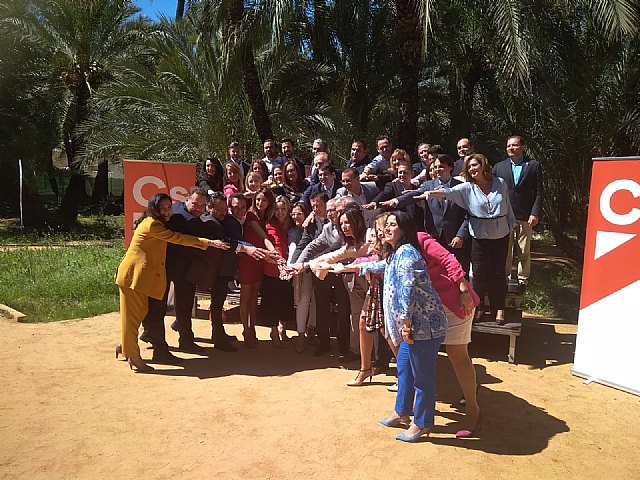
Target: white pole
[20,170]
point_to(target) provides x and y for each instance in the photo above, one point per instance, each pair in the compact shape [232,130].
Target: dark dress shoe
[190,347]
[321,350]
[165,356]
[225,338]
[174,326]
[347,357]
[378,369]
[225,347]
[145,337]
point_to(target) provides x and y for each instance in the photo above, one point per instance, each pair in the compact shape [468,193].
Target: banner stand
[609,321]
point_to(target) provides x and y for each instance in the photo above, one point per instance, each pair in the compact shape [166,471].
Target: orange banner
[144,178]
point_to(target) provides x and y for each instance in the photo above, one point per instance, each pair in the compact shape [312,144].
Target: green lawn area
[60,283]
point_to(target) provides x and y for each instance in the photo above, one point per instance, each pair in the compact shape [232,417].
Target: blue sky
[151,8]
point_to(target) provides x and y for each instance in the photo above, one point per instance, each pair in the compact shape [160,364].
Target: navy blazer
[180,258]
[526,196]
[443,218]
[318,187]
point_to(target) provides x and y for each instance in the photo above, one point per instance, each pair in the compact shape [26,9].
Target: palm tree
[83,43]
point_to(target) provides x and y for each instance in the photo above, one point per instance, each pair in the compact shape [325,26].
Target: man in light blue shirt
[380,162]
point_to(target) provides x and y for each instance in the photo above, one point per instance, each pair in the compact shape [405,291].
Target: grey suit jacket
[369,189]
[328,241]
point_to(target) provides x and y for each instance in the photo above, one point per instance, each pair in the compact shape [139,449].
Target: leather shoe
[347,357]
[224,347]
[321,350]
[224,338]
[190,347]
[165,356]
[145,337]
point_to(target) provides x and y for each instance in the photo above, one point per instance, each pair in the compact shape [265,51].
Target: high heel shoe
[395,421]
[361,378]
[138,365]
[476,429]
[403,437]
[118,350]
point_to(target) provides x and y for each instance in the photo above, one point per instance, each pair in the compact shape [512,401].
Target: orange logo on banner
[142,179]
[612,247]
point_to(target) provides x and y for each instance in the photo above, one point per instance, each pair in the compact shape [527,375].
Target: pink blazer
[445,271]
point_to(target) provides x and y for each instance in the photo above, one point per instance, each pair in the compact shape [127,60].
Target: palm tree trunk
[251,79]
[410,36]
[180,9]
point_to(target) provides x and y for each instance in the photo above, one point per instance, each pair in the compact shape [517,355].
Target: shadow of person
[263,361]
[511,426]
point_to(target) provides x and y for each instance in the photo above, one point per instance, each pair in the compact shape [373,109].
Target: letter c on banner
[137,188]
[605,202]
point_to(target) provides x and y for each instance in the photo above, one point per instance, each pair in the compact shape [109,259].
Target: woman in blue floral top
[415,320]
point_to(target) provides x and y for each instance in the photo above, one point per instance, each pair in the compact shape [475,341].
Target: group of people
[387,242]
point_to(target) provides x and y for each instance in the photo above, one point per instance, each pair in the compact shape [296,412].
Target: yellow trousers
[133,309]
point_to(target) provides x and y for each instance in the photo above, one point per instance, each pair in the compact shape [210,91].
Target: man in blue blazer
[328,183]
[524,181]
[444,220]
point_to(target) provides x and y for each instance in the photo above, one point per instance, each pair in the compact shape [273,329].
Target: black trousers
[489,257]
[184,296]
[323,289]
[463,255]
[153,322]
[218,296]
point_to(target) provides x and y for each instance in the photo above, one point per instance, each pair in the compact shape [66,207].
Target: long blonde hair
[234,166]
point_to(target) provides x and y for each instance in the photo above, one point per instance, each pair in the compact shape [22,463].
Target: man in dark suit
[217,208]
[524,181]
[235,156]
[444,220]
[328,183]
[361,192]
[464,147]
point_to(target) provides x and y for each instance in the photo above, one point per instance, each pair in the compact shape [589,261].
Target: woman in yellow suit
[141,274]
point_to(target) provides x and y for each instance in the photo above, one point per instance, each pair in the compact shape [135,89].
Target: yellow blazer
[143,267]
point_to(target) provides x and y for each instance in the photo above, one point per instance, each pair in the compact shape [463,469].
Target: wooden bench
[512,329]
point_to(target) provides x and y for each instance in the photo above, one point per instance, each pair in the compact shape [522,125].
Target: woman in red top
[276,307]
[250,271]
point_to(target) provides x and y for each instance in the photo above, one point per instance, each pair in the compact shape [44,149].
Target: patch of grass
[94,227]
[554,285]
[60,283]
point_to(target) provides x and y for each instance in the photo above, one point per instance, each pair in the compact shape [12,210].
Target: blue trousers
[417,379]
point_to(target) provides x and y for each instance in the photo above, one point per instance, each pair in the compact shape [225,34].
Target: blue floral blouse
[408,294]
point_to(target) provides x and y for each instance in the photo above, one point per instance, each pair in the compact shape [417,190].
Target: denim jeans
[417,378]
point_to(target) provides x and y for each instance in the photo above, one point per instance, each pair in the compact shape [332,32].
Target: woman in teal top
[414,320]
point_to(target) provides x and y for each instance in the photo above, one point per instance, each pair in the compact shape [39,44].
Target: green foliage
[60,283]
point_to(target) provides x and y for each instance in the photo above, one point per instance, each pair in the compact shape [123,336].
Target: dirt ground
[68,409]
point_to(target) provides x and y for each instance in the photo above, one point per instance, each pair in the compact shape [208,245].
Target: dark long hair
[268,214]
[408,227]
[300,184]
[215,182]
[358,227]
[153,209]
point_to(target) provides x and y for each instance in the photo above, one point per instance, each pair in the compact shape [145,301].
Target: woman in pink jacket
[459,300]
